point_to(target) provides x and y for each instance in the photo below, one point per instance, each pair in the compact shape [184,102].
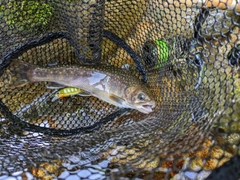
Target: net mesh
[186,52]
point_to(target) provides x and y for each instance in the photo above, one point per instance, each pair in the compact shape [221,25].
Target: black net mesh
[186,53]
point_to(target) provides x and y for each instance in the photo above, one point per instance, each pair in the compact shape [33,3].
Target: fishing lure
[66,92]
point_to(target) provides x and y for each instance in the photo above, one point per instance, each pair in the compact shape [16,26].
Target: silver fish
[113,85]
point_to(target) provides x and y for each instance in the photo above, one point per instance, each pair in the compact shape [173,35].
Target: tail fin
[21,73]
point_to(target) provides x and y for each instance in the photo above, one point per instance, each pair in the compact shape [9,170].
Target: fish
[66,92]
[113,85]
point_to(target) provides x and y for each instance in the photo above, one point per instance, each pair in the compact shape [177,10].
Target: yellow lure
[66,92]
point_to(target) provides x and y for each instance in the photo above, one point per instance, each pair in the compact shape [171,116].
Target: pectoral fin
[84,93]
[117,99]
[53,85]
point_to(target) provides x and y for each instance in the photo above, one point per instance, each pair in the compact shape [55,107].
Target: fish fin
[53,85]
[84,93]
[117,99]
[20,73]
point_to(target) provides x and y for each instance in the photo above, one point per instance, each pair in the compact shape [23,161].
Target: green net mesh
[186,53]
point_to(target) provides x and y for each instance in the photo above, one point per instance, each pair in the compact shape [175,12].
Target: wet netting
[60,61]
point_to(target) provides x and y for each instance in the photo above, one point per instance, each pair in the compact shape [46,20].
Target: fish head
[140,99]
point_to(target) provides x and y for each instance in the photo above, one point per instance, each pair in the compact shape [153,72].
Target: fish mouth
[146,107]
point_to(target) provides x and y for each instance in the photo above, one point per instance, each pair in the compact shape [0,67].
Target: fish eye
[141,96]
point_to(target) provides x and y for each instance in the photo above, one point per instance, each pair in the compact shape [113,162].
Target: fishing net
[186,53]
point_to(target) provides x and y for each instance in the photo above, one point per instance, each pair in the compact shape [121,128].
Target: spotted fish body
[113,85]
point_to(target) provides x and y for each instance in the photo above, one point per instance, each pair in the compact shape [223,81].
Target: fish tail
[21,73]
